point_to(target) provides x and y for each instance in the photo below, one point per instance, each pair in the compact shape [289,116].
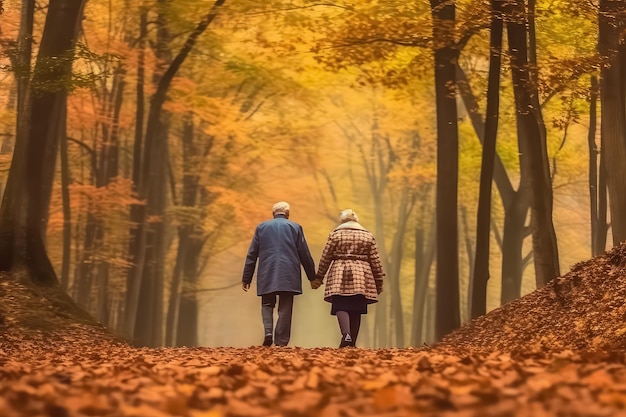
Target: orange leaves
[101,379]
[75,371]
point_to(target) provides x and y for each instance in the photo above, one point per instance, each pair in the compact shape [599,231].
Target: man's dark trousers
[282,333]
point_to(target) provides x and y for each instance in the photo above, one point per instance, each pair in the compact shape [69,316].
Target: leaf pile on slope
[29,311]
[582,310]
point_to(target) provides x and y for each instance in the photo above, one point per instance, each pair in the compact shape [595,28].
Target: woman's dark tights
[349,323]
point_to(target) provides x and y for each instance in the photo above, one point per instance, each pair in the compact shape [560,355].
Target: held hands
[316,283]
[245,286]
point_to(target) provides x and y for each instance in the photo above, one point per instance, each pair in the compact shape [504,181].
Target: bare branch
[288,9]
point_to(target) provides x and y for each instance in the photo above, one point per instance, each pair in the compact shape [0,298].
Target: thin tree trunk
[478,290]
[593,164]
[471,258]
[424,257]
[67,210]
[603,205]
[447,300]
[404,211]
[136,243]
[533,135]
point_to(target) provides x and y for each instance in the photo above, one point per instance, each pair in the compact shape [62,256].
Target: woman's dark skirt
[350,303]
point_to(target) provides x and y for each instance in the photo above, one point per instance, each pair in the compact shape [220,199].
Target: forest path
[558,351]
[42,376]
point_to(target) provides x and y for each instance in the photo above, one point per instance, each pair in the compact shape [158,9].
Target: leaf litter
[559,351]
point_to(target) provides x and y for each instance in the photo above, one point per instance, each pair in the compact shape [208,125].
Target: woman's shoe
[346,341]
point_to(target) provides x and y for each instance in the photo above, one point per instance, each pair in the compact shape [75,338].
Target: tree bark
[603,205]
[136,242]
[532,133]
[447,299]
[424,257]
[404,211]
[22,65]
[613,117]
[593,165]
[24,211]
[483,218]
[66,181]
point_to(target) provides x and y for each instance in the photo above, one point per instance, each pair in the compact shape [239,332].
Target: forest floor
[559,351]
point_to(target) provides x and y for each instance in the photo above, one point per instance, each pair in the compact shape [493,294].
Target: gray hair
[348,215]
[280,207]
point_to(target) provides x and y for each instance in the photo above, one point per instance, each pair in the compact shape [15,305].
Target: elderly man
[281,248]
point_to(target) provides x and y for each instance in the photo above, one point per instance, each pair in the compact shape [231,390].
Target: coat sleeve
[326,259]
[253,254]
[375,264]
[305,256]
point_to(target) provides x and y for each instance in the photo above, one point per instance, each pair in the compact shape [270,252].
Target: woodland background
[177,124]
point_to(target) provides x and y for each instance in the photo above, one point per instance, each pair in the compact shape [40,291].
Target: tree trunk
[603,227]
[515,203]
[24,211]
[532,133]
[22,65]
[593,165]
[447,299]
[404,211]
[185,268]
[471,258]
[66,180]
[424,256]
[149,180]
[483,218]
[513,236]
[613,117]
[136,242]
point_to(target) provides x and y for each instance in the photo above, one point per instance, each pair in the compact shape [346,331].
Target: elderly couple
[354,281]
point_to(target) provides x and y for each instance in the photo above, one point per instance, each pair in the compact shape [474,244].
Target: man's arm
[305,256]
[250,265]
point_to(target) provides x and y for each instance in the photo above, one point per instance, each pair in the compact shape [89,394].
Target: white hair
[348,215]
[280,207]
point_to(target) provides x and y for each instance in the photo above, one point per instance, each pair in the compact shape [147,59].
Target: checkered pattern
[351,259]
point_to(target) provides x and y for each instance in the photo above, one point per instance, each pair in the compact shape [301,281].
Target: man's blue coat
[280,247]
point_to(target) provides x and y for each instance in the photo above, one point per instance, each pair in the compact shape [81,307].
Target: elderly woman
[356,275]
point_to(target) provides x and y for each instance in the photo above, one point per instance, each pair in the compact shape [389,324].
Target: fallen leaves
[560,351]
[225,382]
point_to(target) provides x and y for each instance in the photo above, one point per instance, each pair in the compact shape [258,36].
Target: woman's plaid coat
[352,257]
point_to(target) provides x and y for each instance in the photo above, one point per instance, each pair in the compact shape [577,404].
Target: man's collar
[281,215]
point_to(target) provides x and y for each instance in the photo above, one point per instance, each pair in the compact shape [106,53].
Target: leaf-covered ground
[557,352]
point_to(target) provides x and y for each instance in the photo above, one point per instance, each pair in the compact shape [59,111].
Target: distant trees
[159,143]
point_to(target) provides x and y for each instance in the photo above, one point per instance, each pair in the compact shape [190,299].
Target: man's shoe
[268,340]
[346,341]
